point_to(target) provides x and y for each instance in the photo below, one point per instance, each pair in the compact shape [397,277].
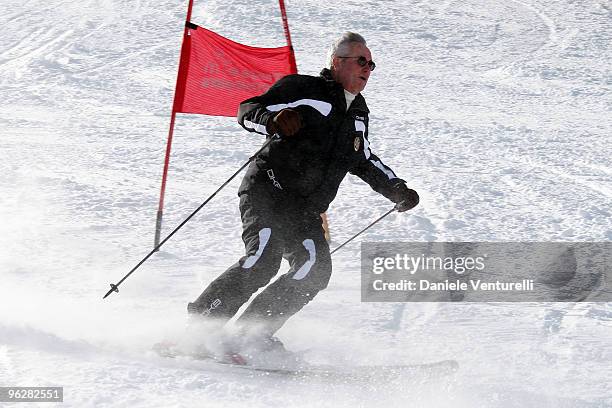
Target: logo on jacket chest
[357,143]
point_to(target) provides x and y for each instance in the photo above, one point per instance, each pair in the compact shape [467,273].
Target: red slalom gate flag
[216,74]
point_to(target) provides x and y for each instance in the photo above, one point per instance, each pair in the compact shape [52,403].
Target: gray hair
[341,45]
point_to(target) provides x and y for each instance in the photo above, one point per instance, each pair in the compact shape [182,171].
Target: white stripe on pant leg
[312,257]
[264,237]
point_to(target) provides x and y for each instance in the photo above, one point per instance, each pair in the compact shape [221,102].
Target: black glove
[404,197]
[286,123]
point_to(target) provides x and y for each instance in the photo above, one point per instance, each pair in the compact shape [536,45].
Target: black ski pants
[272,229]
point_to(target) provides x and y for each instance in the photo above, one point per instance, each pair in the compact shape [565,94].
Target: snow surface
[497,112]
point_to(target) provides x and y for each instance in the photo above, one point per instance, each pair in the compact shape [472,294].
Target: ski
[362,372]
[306,370]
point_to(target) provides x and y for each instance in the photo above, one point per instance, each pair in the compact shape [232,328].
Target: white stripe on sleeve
[255,126]
[384,169]
[324,108]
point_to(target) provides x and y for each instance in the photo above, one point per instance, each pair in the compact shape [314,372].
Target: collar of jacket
[336,89]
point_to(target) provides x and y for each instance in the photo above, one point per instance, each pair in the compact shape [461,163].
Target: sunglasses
[363,61]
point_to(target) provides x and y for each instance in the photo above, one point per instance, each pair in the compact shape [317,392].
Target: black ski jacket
[307,168]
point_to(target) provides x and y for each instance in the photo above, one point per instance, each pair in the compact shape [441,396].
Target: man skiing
[323,127]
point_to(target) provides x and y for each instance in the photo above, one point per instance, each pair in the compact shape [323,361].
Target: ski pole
[365,229]
[115,287]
